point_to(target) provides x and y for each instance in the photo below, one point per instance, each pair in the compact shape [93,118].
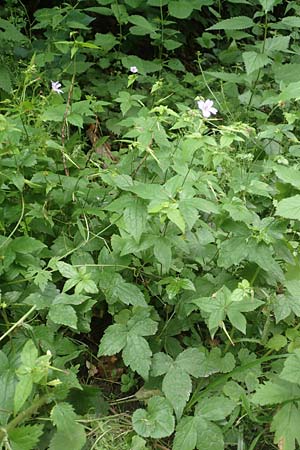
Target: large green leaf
[254,61]
[114,340]
[70,434]
[177,387]
[63,315]
[137,355]
[186,434]
[25,437]
[235,23]
[285,424]
[181,9]
[278,391]
[157,421]
[291,369]
[289,207]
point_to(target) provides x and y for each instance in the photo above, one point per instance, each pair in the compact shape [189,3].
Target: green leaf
[238,211]
[137,355]
[285,424]
[142,26]
[161,363]
[268,4]
[23,391]
[181,9]
[291,21]
[26,244]
[29,354]
[63,315]
[235,23]
[175,216]
[289,208]
[5,79]
[209,435]
[254,61]
[67,270]
[292,91]
[289,175]
[186,434]
[105,41]
[70,434]
[215,408]
[277,342]
[157,421]
[191,361]
[177,387]
[291,369]
[277,391]
[25,437]
[135,217]
[113,341]
[163,253]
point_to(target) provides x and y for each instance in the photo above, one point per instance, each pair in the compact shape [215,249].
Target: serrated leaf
[113,341]
[26,244]
[135,218]
[289,175]
[175,216]
[285,424]
[177,387]
[209,435]
[63,315]
[70,434]
[63,415]
[289,208]
[160,364]
[157,421]
[163,253]
[181,9]
[254,61]
[191,360]
[268,4]
[29,354]
[291,369]
[25,437]
[278,391]
[23,391]
[215,408]
[186,434]
[291,21]
[235,23]
[67,270]
[137,355]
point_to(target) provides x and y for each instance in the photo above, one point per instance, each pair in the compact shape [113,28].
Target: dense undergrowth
[149,220]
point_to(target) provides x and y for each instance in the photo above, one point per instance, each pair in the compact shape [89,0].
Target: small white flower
[206,107]
[55,86]
[133,69]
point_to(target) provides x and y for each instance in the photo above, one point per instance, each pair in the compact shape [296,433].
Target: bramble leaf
[25,437]
[137,355]
[157,421]
[114,340]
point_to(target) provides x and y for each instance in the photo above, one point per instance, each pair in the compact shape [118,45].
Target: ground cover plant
[149,221]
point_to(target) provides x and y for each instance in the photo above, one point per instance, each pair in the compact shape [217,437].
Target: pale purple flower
[55,86]
[133,69]
[206,107]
